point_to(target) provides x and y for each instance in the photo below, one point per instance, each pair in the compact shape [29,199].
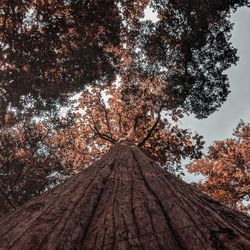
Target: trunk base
[124,201]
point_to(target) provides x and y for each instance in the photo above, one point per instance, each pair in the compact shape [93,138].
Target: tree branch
[102,135]
[136,121]
[150,131]
[106,117]
[7,198]
[120,122]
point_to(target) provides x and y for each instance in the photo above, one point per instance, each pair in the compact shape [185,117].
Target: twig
[7,198]
[102,135]
[106,116]
[140,144]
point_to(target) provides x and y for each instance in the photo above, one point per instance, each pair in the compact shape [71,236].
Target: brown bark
[124,201]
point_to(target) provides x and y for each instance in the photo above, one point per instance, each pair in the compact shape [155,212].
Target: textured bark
[124,201]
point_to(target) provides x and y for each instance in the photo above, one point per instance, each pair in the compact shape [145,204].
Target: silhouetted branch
[7,198]
[102,135]
[150,131]
[120,122]
[136,121]
[106,117]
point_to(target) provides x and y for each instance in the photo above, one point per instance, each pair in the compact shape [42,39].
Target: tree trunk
[124,201]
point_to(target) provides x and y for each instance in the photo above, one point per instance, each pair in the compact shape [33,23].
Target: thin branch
[136,121]
[106,117]
[102,135]
[7,198]
[120,122]
[150,131]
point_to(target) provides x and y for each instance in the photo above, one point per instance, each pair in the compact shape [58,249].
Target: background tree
[27,167]
[227,169]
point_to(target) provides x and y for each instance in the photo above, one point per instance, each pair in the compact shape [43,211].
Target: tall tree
[53,48]
[36,156]
[226,168]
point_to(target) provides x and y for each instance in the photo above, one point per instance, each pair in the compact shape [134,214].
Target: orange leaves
[227,169]
[26,162]
[26,68]
[99,118]
[104,116]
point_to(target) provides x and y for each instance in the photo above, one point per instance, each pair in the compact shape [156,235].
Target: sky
[220,125]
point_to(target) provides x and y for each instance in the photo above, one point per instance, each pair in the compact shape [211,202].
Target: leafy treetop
[227,169]
[37,155]
[53,48]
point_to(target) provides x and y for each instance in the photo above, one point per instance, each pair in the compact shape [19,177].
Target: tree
[124,201]
[36,156]
[27,167]
[53,48]
[226,168]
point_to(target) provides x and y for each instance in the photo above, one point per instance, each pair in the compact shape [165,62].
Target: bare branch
[150,131]
[102,135]
[106,117]
[136,121]
[120,122]
[7,198]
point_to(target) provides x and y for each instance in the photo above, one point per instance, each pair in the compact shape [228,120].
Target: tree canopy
[53,48]
[37,155]
[226,168]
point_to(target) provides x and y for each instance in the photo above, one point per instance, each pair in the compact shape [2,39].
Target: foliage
[27,167]
[36,156]
[57,45]
[187,50]
[104,118]
[227,169]
[53,48]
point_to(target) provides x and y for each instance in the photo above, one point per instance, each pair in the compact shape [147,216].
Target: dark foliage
[189,50]
[52,48]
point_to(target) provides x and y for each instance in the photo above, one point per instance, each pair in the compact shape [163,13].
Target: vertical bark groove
[175,235]
[95,207]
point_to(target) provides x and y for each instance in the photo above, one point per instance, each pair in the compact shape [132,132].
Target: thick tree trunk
[124,201]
